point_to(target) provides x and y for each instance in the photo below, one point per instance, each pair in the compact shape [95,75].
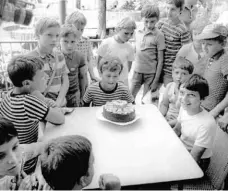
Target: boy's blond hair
[111,64]
[68,29]
[184,64]
[126,23]
[75,18]
[45,23]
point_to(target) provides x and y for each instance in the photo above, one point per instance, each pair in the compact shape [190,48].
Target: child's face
[180,76]
[125,34]
[149,23]
[109,79]
[172,11]
[68,43]
[211,47]
[10,158]
[39,81]
[190,100]
[49,38]
[80,29]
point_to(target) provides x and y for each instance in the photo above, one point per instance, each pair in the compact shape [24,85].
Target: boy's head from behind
[27,73]
[68,37]
[182,70]
[194,90]
[78,20]
[150,15]
[174,8]
[10,155]
[47,32]
[125,29]
[67,162]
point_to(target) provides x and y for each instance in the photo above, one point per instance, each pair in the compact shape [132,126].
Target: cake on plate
[119,111]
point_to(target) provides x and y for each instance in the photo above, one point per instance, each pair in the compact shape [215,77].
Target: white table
[147,151]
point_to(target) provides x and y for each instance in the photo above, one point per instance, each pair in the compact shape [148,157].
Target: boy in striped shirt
[176,35]
[24,109]
[108,88]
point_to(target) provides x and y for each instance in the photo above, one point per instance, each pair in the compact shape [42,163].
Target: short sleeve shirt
[147,47]
[74,61]
[124,51]
[197,130]
[98,96]
[216,71]
[175,37]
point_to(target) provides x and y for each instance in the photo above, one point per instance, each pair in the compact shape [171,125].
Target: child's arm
[164,106]
[129,65]
[82,81]
[186,37]
[197,152]
[55,116]
[109,182]
[48,101]
[177,129]
[87,98]
[172,122]
[63,90]
[155,83]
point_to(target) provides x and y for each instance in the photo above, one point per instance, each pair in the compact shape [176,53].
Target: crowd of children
[192,68]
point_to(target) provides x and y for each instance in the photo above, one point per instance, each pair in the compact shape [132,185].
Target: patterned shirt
[49,67]
[98,96]
[216,71]
[74,62]
[175,37]
[24,111]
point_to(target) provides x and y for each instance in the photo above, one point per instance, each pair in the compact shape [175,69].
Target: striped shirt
[98,96]
[24,111]
[175,37]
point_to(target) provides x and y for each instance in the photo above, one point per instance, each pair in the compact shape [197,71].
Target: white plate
[99,115]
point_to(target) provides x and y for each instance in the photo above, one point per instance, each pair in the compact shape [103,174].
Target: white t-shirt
[124,51]
[197,130]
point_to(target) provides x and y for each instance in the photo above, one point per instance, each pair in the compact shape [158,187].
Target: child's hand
[51,103]
[154,86]
[61,102]
[109,182]
[95,79]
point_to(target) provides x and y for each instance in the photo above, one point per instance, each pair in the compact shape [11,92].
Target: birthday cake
[119,111]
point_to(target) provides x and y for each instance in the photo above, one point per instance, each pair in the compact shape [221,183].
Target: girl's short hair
[22,68]
[149,11]
[76,17]
[198,84]
[65,160]
[7,131]
[45,23]
[177,3]
[112,64]
[126,23]
[184,64]
[68,29]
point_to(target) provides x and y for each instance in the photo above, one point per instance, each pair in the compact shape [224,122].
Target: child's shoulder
[93,86]
[122,86]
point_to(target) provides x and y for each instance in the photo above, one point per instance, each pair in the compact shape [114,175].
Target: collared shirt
[147,46]
[74,62]
[49,60]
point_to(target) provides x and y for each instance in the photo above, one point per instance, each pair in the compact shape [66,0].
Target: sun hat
[213,31]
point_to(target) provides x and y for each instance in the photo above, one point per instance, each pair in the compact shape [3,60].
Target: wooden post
[62,10]
[101,19]
[78,4]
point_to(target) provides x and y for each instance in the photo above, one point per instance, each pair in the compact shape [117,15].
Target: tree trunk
[101,19]
[78,4]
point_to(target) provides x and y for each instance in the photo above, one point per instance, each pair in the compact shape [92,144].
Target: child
[26,110]
[47,32]
[108,88]
[216,67]
[67,164]
[176,35]
[196,127]
[12,157]
[150,44]
[182,69]
[119,46]
[83,45]
[76,65]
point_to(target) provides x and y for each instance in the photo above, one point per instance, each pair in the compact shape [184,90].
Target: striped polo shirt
[175,37]
[98,96]
[24,111]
